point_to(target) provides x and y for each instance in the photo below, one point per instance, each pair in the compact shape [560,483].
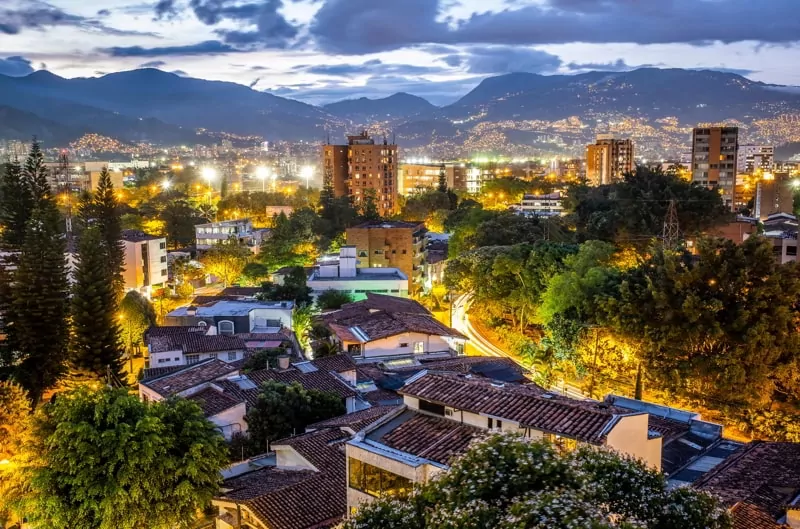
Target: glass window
[192,359]
[419,347]
[225,327]
[231,356]
[565,444]
[376,481]
[403,344]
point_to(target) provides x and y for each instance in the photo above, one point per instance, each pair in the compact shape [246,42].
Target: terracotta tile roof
[387,303]
[272,336]
[298,499]
[213,402]
[528,405]
[382,396]
[193,342]
[354,421]
[433,438]
[378,323]
[756,483]
[189,377]
[155,372]
[339,363]
[173,329]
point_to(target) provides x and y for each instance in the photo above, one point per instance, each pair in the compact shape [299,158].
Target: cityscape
[400,265]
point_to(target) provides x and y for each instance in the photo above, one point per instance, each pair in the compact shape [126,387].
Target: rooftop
[195,342]
[354,421]
[528,405]
[154,332]
[213,401]
[757,483]
[387,224]
[364,274]
[189,377]
[228,307]
[138,236]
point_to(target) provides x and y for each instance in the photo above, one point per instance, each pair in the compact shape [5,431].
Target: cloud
[180,73]
[503,59]
[19,15]
[616,66]
[103,12]
[365,26]
[737,71]
[165,9]
[15,66]
[371,67]
[152,64]
[209,47]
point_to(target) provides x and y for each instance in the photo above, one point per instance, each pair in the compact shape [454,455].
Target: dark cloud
[372,67]
[165,9]
[103,13]
[616,66]
[15,66]
[19,15]
[503,59]
[152,64]
[738,71]
[254,83]
[180,73]
[364,26]
[209,47]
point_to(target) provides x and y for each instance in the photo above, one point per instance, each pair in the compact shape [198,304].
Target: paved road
[462,323]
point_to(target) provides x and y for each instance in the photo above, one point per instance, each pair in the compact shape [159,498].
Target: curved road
[462,324]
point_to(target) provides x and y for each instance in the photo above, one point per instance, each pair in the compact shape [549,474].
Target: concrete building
[392,244]
[608,160]
[361,165]
[550,205]
[752,159]
[145,265]
[235,316]
[340,273]
[714,154]
[774,193]
[417,177]
[781,229]
[212,233]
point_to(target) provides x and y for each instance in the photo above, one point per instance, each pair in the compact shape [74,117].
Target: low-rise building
[145,265]
[385,327]
[213,233]
[550,205]
[177,346]
[340,273]
[233,316]
[781,229]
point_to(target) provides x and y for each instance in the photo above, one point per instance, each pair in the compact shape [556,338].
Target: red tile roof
[213,402]
[756,482]
[380,323]
[355,421]
[528,405]
[189,377]
[387,303]
[193,342]
[302,499]
[339,363]
[433,438]
[174,329]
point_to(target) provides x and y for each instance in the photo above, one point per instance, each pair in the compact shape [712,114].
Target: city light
[209,174]
[307,172]
[262,173]
[166,184]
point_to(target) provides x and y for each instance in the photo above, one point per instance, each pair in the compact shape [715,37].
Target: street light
[262,173]
[307,172]
[209,174]
[166,184]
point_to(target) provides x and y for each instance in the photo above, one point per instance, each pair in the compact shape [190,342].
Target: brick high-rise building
[608,159]
[361,165]
[393,244]
[714,152]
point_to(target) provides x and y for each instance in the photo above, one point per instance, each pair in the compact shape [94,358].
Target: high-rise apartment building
[608,160]
[418,177]
[714,151]
[752,159]
[362,167]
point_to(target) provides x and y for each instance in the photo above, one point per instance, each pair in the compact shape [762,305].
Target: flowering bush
[510,482]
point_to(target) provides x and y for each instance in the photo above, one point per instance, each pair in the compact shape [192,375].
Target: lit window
[419,347]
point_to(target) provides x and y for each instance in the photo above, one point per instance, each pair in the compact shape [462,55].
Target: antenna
[671,236]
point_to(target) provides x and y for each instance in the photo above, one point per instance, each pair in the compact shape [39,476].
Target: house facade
[233,316]
[145,261]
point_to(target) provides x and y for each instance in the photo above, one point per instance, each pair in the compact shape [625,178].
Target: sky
[320,51]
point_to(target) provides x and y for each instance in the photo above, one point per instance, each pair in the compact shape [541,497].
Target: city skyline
[324,51]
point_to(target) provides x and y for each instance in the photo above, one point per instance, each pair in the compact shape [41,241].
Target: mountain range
[525,108]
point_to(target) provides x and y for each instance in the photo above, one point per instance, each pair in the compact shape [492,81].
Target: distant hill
[399,105]
[517,112]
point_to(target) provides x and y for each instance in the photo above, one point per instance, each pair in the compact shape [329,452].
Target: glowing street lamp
[166,184]
[307,172]
[262,173]
[208,174]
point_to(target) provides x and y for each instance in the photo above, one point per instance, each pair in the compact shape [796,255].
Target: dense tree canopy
[226,260]
[137,315]
[16,201]
[283,410]
[508,482]
[333,299]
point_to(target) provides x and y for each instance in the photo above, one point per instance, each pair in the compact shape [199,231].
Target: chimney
[191,311]
[283,362]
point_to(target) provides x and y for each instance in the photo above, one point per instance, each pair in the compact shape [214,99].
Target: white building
[178,346]
[145,263]
[340,273]
[208,235]
[751,158]
[235,316]
[551,205]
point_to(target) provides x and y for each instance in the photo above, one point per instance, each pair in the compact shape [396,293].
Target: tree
[283,410]
[368,208]
[37,322]
[302,324]
[263,359]
[255,274]
[101,211]
[96,348]
[509,482]
[35,173]
[720,327]
[14,425]
[106,460]
[294,288]
[293,241]
[137,315]
[442,187]
[16,201]
[179,219]
[226,260]
[333,299]
[325,348]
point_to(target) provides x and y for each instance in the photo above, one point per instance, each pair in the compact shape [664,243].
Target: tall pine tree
[16,202]
[39,306]
[101,211]
[35,173]
[96,344]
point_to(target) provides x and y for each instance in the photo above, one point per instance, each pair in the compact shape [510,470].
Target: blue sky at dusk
[324,50]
